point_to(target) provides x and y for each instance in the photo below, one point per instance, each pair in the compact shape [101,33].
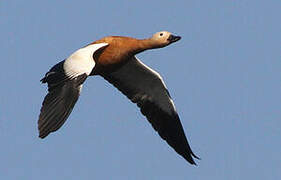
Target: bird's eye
[161,34]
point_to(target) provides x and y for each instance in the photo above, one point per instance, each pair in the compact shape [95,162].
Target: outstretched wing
[58,103]
[145,87]
[64,85]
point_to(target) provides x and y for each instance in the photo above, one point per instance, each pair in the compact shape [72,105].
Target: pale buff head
[164,38]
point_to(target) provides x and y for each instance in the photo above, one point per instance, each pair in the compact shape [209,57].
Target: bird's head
[164,38]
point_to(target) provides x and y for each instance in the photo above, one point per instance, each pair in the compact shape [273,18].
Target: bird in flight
[114,59]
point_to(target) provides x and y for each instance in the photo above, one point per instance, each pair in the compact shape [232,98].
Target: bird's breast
[117,53]
[109,60]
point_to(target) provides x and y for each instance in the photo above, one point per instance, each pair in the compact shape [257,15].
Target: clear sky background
[224,76]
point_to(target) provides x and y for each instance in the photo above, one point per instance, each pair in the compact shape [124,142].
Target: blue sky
[224,76]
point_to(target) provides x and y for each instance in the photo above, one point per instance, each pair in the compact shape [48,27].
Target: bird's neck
[144,44]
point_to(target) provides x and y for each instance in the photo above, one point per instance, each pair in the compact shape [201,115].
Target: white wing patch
[81,61]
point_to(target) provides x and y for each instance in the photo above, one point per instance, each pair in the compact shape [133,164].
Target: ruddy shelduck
[114,59]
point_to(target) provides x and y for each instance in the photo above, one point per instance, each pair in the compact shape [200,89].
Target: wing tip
[42,135]
[195,156]
[42,132]
[189,157]
[191,160]
[43,80]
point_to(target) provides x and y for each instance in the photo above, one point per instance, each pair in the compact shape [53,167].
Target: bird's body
[119,51]
[114,59]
